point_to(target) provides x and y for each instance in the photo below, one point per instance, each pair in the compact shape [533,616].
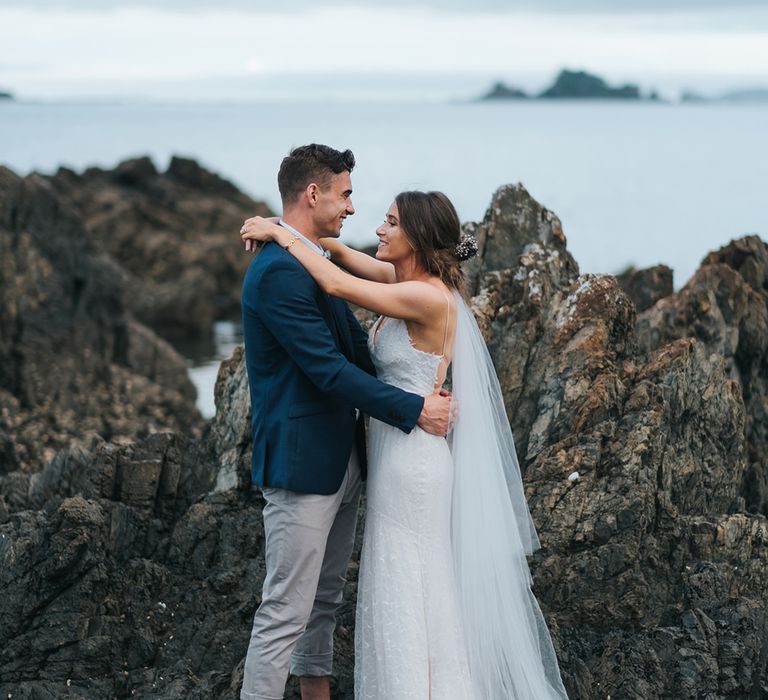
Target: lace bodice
[398,361]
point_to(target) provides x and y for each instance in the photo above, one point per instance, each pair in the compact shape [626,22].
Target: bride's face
[394,246]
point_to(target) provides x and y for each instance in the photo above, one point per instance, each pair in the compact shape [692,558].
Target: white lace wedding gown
[445,610]
[408,639]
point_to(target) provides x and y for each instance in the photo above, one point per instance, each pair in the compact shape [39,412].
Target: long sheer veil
[510,650]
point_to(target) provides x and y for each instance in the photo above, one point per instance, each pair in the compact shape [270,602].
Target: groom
[309,371]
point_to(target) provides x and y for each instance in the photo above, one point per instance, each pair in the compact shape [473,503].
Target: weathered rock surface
[513,220]
[645,287]
[73,363]
[135,569]
[172,236]
[725,307]
[121,583]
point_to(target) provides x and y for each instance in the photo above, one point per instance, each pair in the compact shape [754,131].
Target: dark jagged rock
[135,569]
[649,543]
[73,364]
[645,287]
[127,573]
[501,91]
[725,307]
[141,581]
[172,236]
[580,84]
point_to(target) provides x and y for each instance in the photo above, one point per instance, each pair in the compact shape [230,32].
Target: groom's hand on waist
[436,414]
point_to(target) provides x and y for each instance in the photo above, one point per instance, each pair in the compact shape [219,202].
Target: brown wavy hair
[431,224]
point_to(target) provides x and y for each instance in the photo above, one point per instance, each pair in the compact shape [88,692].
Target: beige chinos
[309,540]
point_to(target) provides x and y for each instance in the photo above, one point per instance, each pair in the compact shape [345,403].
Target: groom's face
[333,205]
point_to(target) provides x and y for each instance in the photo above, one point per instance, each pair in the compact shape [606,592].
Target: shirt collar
[304,239]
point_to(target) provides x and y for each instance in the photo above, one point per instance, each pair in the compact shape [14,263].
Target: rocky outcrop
[135,569]
[73,363]
[502,91]
[652,567]
[231,427]
[580,85]
[130,580]
[645,287]
[656,453]
[725,307]
[514,220]
[171,234]
[569,85]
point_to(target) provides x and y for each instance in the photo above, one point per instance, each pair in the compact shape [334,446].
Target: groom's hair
[307,164]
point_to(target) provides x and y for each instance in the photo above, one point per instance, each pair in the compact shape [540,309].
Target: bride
[445,610]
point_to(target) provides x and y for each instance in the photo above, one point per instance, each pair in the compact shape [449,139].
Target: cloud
[142,50]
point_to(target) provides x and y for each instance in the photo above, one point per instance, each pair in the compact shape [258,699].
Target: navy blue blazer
[308,369]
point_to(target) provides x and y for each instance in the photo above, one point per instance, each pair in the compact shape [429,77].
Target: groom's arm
[288,308]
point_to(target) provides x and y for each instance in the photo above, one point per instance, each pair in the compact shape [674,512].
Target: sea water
[633,182]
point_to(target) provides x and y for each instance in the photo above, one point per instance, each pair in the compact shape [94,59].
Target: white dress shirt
[304,239]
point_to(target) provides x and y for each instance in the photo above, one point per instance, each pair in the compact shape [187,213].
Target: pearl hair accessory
[466,248]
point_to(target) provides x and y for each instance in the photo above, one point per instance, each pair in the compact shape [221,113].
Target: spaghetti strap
[445,334]
[447,321]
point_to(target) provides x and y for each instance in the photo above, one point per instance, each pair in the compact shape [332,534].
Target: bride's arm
[412,300]
[358,263]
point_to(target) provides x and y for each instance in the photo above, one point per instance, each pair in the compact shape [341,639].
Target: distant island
[753,95]
[570,85]
[500,91]
[6,96]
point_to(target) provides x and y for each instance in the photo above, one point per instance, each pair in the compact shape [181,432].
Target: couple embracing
[444,610]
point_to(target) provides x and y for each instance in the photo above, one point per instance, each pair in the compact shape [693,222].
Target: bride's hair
[431,224]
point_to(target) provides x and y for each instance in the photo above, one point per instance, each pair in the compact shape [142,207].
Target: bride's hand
[258,230]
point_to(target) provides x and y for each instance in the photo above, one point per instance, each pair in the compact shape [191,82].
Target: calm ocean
[633,183]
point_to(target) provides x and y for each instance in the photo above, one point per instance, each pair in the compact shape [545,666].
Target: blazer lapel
[332,311]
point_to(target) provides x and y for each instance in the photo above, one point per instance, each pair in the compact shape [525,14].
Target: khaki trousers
[309,540]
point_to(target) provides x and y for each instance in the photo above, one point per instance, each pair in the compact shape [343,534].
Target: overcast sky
[466,6]
[197,48]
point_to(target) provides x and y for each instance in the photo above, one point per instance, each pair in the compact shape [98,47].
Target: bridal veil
[509,646]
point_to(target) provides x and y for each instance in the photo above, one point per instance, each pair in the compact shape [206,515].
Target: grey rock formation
[645,287]
[725,307]
[512,221]
[73,363]
[231,427]
[130,579]
[135,569]
[171,234]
